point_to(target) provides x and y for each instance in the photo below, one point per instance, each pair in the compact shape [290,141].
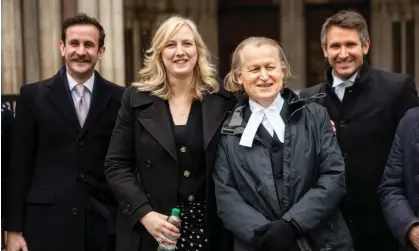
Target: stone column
[12,54]
[112,66]
[381,36]
[375,35]
[386,30]
[89,7]
[31,41]
[69,8]
[118,37]
[208,26]
[133,27]
[137,49]
[105,18]
[292,31]
[181,6]
[50,34]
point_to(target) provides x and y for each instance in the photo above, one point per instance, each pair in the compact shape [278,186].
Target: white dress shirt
[88,90]
[340,84]
[269,117]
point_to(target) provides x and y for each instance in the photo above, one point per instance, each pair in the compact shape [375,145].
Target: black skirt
[192,234]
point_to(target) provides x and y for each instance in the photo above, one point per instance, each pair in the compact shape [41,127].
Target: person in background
[366,105]
[163,146]
[57,196]
[399,188]
[6,141]
[279,172]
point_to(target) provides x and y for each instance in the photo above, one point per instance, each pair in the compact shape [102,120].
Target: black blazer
[57,166]
[366,121]
[141,165]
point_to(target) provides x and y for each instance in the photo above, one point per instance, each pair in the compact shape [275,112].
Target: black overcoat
[56,176]
[366,121]
[141,166]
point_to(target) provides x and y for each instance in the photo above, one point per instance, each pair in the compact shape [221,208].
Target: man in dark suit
[58,198]
[366,105]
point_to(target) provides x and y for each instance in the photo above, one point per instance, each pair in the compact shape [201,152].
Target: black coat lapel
[156,120]
[214,109]
[61,99]
[100,99]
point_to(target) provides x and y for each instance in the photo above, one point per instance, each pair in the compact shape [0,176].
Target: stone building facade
[31,33]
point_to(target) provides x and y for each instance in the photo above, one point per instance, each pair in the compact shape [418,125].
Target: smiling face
[262,74]
[180,53]
[344,51]
[81,50]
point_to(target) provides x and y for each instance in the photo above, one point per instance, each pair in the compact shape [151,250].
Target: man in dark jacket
[399,189]
[58,197]
[366,105]
[279,173]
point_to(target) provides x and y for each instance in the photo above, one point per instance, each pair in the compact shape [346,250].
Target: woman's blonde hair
[231,81]
[152,77]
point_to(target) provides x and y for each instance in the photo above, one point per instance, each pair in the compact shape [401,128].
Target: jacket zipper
[287,132]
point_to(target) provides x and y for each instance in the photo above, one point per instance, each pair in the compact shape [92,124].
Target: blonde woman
[279,172]
[163,146]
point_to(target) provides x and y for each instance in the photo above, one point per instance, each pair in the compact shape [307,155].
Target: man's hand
[275,236]
[414,236]
[15,242]
[333,126]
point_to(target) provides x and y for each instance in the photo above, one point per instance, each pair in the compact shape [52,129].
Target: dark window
[397,46]
[410,47]
[404,47]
